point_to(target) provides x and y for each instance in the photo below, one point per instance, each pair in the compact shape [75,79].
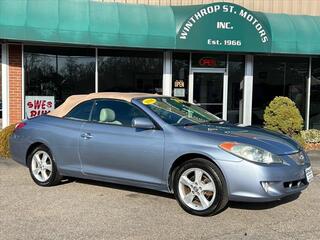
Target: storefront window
[278,76]
[236,75]
[58,72]
[180,75]
[315,94]
[130,71]
[0,86]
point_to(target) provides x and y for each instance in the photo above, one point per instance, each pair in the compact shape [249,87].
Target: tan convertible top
[74,100]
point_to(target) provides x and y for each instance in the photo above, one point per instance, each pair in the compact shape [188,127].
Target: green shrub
[283,116]
[4,141]
[311,136]
[299,139]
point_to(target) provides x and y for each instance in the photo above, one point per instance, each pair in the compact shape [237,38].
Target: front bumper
[253,182]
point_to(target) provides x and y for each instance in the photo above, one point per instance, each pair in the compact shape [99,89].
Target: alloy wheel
[197,189]
[41,166]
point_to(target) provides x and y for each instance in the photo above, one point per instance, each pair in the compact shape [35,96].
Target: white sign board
[38,105]
[179,92]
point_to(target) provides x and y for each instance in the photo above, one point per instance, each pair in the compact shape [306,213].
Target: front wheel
[42,167]
[200,188]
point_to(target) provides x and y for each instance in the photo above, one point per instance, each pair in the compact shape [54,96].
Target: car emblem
[301,157]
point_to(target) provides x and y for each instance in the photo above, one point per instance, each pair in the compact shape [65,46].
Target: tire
[192,194]
[42,167]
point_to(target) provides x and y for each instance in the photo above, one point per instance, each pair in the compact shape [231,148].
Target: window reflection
[315,94]
[278,76]
[130,71]
[59,72]
[0,85]
[236,75]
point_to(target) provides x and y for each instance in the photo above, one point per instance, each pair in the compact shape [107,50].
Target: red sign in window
[207,62]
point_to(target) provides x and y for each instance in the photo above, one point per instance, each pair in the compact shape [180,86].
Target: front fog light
[266,186]
[270,187]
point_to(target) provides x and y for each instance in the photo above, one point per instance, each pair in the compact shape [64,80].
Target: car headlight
[250,153]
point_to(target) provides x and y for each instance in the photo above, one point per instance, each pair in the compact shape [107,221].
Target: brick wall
[15,83]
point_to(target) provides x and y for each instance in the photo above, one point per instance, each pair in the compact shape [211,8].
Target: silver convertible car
[161,143]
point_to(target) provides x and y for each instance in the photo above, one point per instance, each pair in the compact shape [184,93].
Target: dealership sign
[38,105]
[225,27]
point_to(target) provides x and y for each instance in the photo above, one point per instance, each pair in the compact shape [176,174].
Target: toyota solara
[161,143]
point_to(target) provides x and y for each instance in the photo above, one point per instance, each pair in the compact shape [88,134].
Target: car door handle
[86,136]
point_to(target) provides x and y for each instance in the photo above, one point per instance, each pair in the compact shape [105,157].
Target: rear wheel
[200,188]
[42,168]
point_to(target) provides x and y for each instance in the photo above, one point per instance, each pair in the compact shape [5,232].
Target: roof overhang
[214,27]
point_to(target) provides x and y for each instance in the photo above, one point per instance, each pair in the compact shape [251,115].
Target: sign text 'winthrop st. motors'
[228,9]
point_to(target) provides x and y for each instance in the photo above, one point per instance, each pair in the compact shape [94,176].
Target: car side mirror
[142,123]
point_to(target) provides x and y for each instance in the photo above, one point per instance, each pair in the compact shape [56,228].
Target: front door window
[208,91]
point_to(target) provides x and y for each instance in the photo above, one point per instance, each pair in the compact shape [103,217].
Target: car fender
[187,155]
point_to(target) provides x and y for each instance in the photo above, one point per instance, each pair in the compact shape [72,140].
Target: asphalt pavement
[83,209]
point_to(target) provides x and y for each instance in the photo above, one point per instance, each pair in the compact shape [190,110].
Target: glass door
[208,91]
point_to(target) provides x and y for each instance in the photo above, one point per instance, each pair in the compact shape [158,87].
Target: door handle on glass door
[86,136]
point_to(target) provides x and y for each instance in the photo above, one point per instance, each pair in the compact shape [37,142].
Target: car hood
[273,142]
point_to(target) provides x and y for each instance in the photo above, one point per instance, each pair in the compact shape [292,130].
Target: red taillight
[20,125]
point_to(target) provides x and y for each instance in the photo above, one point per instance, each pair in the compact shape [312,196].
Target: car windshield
[178,112]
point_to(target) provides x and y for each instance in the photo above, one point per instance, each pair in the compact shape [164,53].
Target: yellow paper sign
[149,101]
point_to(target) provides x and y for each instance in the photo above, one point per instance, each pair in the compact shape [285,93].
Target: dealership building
[231,58]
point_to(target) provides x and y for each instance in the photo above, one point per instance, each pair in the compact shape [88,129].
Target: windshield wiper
[188,124]
[214,121]
[200,123]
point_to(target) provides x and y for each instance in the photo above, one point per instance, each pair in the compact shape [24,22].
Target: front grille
[299,158]
[295,184]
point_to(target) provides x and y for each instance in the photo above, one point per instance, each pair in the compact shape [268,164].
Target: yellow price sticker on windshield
[149,101]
